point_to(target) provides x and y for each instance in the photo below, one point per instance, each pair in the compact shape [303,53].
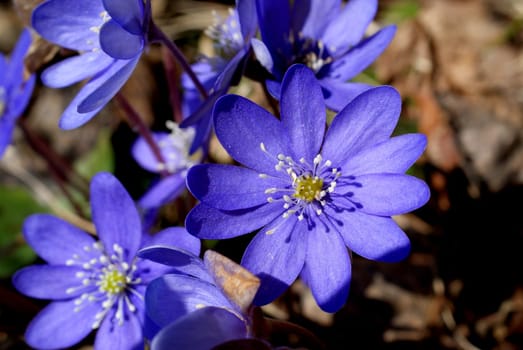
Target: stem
[157,35]
[60,170]
[136,122]
[174,92]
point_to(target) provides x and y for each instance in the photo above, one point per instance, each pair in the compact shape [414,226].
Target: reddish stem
[137,123]
[157,35]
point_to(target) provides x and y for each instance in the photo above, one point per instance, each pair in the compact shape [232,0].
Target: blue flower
[311,193]
[325,37]
[93,284]
[214,282]
[231,37]
[124,35]
[207,328]
[15,89]
[174,148]
[77,25]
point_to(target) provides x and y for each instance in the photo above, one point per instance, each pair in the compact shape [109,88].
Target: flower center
[105,279]
[310,185]
[310,52]
[104,16]
[226,34]
[175,149]
[308,188]
[112,282]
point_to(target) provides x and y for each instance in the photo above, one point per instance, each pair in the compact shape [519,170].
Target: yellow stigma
[308,188]
[112,282]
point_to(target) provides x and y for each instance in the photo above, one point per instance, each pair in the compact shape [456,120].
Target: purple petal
[75,69]
[181,260]
[373,237]
[224,80]
[59,326]
[49,282]
[144,156]
[349,26]
[230,187]
[55,240]
[390,194]
[71,119]
[127,13]
[149,271]
[20,99]
[235,115]
[127,336]
[202,120]
[14,74]
[303,112]
[115,215]
[177,237]
[247,18]
[208,223]
[338,94]
[206,72]
[4,67]
[369,119]
[114,79]
[168,255]
[274,88]
[68,23]
[173,296]
[311,17]
[327,268]
[72,116]
[362,55]
[164,191]
[276,255]
[262,54]
[392,156]
[201,330]
[118,42]
[274,23]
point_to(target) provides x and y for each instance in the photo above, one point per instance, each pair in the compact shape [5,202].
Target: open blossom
[326,36]
[312,194]
[15,90]
[81,26]
[206,328]
[174,148]
[205,303]
[93,284]
[231,36]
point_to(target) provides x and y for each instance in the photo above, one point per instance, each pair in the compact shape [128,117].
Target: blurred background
[458,65]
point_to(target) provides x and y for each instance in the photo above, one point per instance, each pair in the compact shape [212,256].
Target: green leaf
[101,157]
[400,11]
[17,257]
[16,204]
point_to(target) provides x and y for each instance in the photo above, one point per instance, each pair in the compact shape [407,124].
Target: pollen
[308,188]
[113,282]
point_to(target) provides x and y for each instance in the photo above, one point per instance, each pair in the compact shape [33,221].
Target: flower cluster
[310,189]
